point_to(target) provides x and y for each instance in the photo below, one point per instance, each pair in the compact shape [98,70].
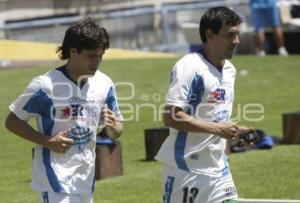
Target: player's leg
[278,35]
[273,17]
[259,28]
[260,43]
[274,22]
[182,187]
[223,190]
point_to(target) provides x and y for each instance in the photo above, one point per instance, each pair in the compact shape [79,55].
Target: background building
[159,25]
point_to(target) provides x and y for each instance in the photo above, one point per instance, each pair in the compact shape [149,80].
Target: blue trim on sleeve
[40,103]
[195,94]
[194,98]
[111,100]
[168,189]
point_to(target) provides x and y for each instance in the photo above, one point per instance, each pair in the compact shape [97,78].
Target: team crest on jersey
[217,96]
[81,135]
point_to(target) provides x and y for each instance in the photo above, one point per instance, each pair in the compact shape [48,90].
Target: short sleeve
[112,103]
[180,82]
[31,102]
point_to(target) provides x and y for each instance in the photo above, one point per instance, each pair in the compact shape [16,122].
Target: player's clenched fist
[112,125]
[108,117]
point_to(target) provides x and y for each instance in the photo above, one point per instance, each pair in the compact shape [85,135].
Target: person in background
[266,14]
[68,103]
[198,109]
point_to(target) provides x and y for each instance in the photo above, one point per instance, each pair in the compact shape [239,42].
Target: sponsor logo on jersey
[65,112]
[72,112]
[80,109]
[217,96]
[221,116]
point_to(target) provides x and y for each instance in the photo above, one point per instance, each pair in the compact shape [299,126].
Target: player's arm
[176,118]
[113,126]
[57,143]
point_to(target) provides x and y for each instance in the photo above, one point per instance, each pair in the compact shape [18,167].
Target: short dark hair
[84,34]
[215,18]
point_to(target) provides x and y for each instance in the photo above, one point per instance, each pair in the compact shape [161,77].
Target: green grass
[272,82]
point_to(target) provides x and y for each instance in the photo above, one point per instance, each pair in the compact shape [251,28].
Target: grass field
[271,81]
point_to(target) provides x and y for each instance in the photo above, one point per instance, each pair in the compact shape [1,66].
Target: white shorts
[180,186]
[53,197]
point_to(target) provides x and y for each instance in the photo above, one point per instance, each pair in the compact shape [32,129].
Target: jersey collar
[219,68]
[63,70]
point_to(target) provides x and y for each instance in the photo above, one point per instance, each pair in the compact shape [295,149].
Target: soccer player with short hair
[67,103]
[198,110]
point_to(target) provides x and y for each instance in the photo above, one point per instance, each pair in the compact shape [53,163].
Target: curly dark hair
[84,34]
[215,18]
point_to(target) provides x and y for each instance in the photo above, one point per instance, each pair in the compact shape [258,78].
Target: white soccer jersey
[206,93]
[59,104]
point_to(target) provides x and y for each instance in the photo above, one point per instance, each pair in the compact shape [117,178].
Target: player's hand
[112,125]
[228,130]
[231,131]
[108,117]
[242,131]
[60,143]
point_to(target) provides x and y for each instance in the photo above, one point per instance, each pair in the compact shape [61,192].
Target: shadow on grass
[145,160]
